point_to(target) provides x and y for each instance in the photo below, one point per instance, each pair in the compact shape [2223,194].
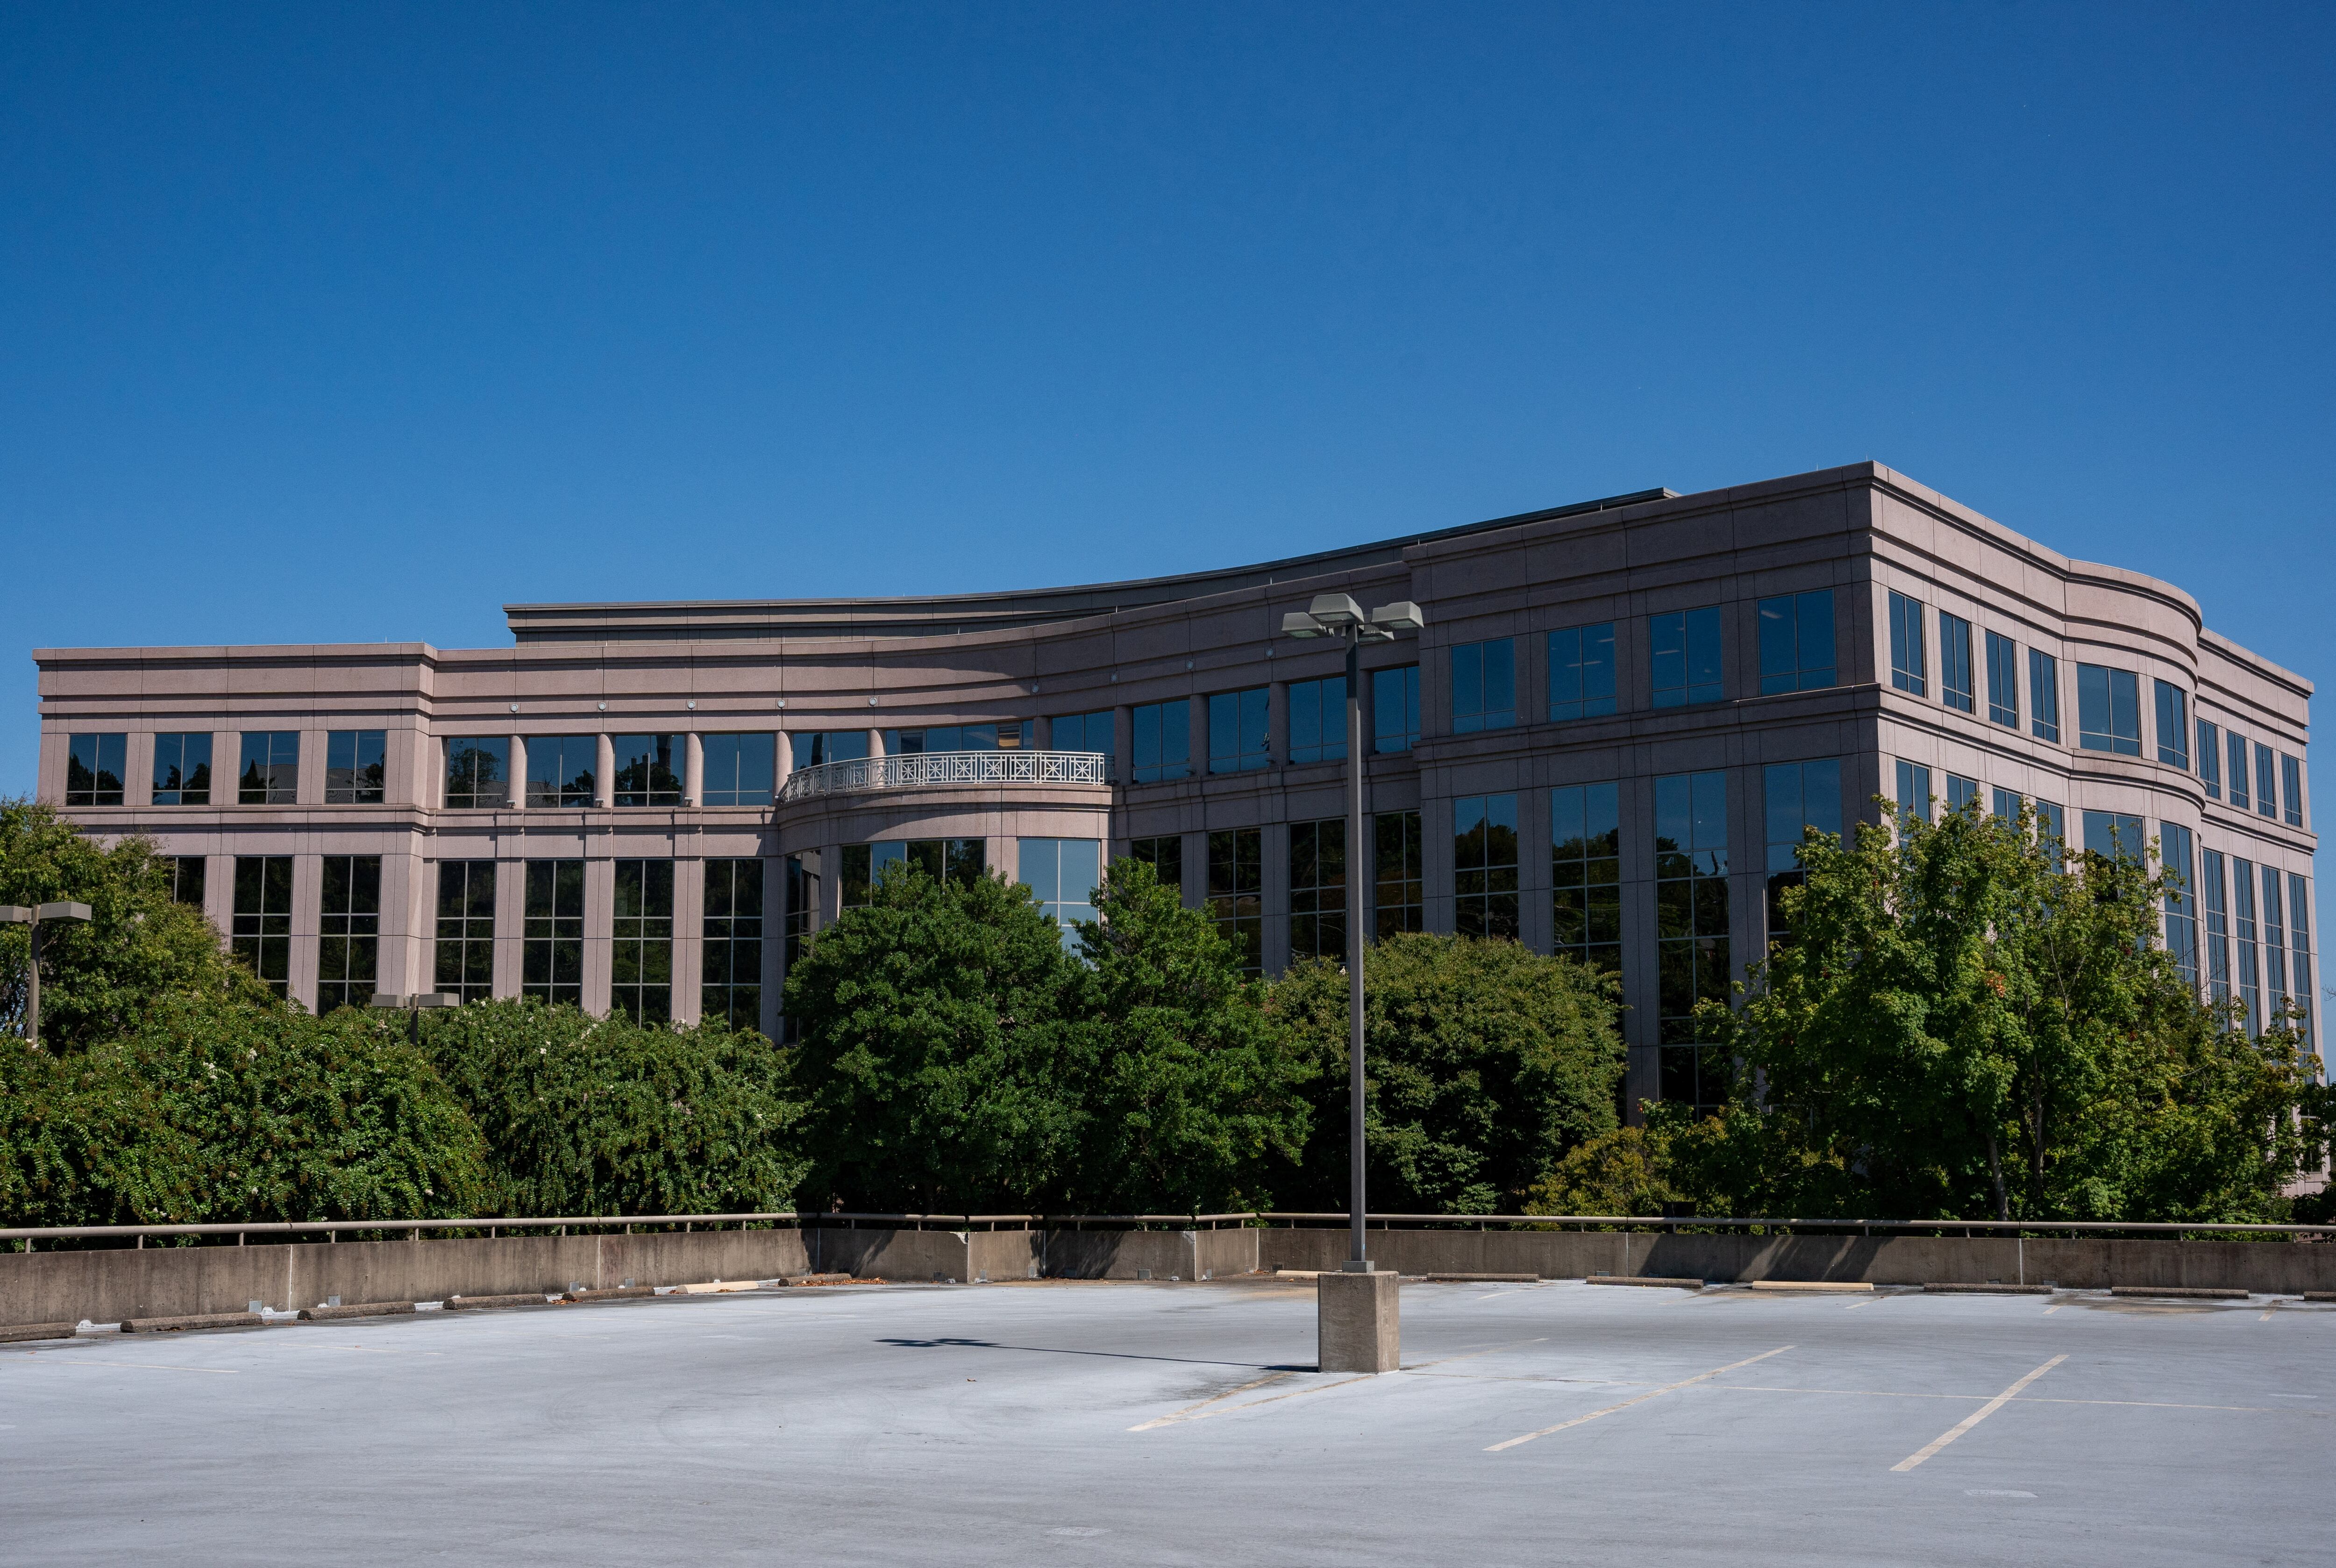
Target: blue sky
[351,322]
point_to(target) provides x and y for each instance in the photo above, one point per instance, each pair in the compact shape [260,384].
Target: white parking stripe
[1651,1394]
[1974,1419]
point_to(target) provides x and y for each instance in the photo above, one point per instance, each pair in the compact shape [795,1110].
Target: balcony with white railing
[930,770]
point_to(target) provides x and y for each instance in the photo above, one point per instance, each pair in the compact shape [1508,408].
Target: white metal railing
[927,769]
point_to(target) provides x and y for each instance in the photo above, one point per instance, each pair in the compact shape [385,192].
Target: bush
[585,1115]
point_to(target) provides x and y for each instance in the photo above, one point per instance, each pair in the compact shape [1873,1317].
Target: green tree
[934,1055]
[1967,1020]
[585,1115]
[1191,1093]
[1484,1063]
[98,979]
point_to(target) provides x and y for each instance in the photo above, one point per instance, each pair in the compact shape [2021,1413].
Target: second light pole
[1338,615]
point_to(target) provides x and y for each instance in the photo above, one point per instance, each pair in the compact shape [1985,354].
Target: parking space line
[1974,1419]
[1209,1407]
[1651,1394]
[1189,1412]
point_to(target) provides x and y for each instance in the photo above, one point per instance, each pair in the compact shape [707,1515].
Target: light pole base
[1357,1322]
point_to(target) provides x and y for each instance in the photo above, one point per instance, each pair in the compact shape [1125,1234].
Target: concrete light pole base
[1359,1325]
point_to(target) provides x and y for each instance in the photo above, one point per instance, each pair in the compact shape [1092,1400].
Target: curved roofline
[677,621]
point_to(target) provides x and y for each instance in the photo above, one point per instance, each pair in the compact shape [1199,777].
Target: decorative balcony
[929,770]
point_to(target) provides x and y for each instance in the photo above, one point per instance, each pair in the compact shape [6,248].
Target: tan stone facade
[789,667]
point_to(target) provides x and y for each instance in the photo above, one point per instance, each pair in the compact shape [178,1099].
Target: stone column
[604,784]
[600,921]
[1273,939]
[307,905]
[688,937]
[693,770]
[782,761]
[1200,741]
[775,939]
[518,801]
[510,924]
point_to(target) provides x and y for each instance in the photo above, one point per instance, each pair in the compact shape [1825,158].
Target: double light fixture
[1338,615]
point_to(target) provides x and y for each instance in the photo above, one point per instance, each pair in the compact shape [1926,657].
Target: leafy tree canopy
[1486,1063]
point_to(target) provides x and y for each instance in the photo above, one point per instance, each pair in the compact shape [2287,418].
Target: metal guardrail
[925,770]
[332,1229]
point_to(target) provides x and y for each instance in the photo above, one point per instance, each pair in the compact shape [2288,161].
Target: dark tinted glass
[478,771]
[270,772]
[648,770]
[738,769]
[93,769]
[182,769]
[560,769]
[355,770]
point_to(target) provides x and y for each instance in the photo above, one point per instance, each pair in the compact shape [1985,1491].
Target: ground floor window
[349,945]
[262,933]
[1063,873]
[1237,892]
[1398,878]
[731,973]
[1164,856]
[640,965]
[1317,889]
[1484,866]
[943,860]
[551,940]
[465,964]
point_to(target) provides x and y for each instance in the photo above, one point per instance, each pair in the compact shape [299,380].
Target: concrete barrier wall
[170,1281]
[2271,1267]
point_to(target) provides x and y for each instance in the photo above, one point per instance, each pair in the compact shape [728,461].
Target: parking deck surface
[1077,1423]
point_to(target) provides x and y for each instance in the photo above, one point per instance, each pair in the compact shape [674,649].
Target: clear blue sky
[325,324]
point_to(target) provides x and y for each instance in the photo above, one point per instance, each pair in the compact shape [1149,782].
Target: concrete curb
[1940,1290]
[1811,1287]
[2205,1292]
[15,1331]
[1658,1283]
[463,1303]
[356,1309]
[1482,1278]
[815,1280]
[200,1320]
[2320,1295]
[611,1293]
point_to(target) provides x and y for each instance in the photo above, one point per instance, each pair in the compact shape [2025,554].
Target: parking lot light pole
[410,1007]
[1338,615]
[36,917]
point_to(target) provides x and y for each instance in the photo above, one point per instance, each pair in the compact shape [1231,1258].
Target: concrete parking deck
[1080,1423]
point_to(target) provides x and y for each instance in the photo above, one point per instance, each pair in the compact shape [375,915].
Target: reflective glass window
[1164,741]
[1692,928]
[1238,740]
[1483,686]
[2043,696]
[562,769]
[551,939]
[1399,880]
[94,767]
[1956,688]
[182,769]
[730,969]
[356,770]
[1318,720]
[261,933]
[464,961]
[1484,865]
[1797,642]
[1237,892]
[2108,709]
[640,970]
[271,768]
[1395,708]
[1063,874]
[349,946]
[2002,681]
[1684,658]
[2172,726]
[1908,665]
[1582,672]
[1585,873]
[1799,797]
[1317,889]
[478,771]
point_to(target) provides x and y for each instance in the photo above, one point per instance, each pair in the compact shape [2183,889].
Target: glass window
[1909,668]
[2299,931]
[2108,709]
[815,748]
[1164,741]
[648,770]
[1399,880]
[2236,748]
[1961,793]
[182,770]
[2005,804]
[1484,866]
[1799,797]
[1063,873]
[2043,696]
[2214,898]
[271,769]
[2112,834]
[349,946]
[1582,672]
[187,879]
[1585,873]
[1083,732]
[942,860]
[738,772]
[94,767]
[1318,720]
[1956,688]
[1317,889]
[2290,789]
[2174,844]
[1797,642]
[2052,824]
[262,934]
[2246,930]
[2275,943]
[1237,891]
[560,769]
[478,771]
[954,738]
[640,970]
[552,941]
[1913,791]
[2266,782]
[730,977]
[1395,708]
[2002,681]
[465,959]
[1237,731]
[2172,726]
[2210,759]
[356,769]
[803,905]
[1683,657]
[1691,926]
[1483,686]
[1164,856]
